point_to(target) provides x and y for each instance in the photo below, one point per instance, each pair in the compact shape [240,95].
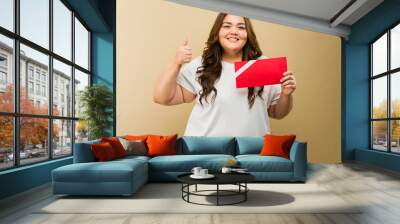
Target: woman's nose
[234,31]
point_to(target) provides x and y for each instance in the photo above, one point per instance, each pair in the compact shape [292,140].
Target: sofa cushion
[116,145]
[249,145]
[257,163]
[185,163]
[103,152]
[134,147]
[112,171]
[159,145]
[277,145]
[195,145]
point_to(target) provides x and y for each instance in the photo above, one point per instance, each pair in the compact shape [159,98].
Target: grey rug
[166,198]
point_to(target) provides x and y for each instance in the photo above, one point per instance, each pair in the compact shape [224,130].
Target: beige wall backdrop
[148,33]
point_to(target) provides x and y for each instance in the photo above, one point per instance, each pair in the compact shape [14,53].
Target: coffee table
[238,179]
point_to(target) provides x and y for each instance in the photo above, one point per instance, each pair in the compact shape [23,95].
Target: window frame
[16,114]
[388,74]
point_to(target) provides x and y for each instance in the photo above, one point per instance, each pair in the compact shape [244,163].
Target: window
[38,74]
[385,91]
[3,72]
[3,61]
[3,78]
[34,21]
[62,29]
[45,131]
[37,89]
[6,89]
[30,72]
[7,14]
[43,90]
[81,45]
[30,87]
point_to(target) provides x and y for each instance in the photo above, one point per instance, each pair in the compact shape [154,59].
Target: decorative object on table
[96,102]
[226,170]
[231,163]
[200,173]
[196,170]
[236,170]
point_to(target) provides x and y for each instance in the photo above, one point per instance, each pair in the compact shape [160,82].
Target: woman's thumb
[185,42]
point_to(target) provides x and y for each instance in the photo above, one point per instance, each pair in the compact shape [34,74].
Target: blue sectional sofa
[125,176]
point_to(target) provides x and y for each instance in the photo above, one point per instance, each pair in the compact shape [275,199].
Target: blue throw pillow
[249,145]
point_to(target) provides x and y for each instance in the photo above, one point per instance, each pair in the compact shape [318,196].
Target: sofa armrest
[83,152]
[298,155]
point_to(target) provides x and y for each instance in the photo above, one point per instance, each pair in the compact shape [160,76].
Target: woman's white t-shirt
[229,114]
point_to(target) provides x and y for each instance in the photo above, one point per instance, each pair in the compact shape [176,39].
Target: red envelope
[260,72]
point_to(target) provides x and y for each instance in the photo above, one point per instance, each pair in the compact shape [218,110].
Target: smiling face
[232,34]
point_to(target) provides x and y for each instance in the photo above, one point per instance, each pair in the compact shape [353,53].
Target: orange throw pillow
[161,145]
[275,145]
[116,145]
[136,137]
[103,151]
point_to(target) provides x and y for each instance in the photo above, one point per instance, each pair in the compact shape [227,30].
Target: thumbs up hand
[183,53]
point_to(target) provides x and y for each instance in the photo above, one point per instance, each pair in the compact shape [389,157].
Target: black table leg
[245,193]
[196,188]
[217,194]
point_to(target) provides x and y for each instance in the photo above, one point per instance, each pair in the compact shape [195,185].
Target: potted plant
[96,102]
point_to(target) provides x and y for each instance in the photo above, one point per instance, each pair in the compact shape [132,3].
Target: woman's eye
[226,27]
[242,27]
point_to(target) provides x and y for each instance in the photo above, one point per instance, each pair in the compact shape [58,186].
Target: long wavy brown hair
[211,68]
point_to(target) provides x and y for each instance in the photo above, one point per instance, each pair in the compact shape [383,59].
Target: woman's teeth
[231,39]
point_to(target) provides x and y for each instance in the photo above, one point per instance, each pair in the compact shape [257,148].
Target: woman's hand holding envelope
[288,83]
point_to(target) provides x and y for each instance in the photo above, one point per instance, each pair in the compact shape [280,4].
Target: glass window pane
[395,47]
[81,131]
[7,14]
[62,138]
[34,78]
[35,21]
[379,100]
[379,56]
[395,136]
[33,140]
[6,142]
[81,45]
[395,94]
[6,74]
[81,81]
[62,89]
[62,29]
[379,135]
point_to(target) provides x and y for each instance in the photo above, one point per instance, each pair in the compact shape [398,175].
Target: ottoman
[119,177]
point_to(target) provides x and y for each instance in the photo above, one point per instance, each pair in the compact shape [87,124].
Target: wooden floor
[353,182]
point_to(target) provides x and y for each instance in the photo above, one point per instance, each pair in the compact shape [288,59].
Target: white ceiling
[321,9]
[315,15]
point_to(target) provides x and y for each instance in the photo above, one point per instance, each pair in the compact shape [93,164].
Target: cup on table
[196,171]
[203,172]
[226,170]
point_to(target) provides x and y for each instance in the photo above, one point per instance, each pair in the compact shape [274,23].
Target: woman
[221,109]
